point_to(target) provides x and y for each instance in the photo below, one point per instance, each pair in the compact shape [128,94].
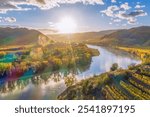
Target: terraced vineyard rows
[112,92]
[141,78]
[137,93]
[137,85]
[131,84]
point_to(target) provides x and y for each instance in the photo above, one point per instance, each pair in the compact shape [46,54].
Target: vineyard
[131,84]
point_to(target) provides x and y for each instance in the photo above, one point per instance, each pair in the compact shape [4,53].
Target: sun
[67,25]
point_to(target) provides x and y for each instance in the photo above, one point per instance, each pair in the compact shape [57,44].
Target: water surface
[56,84]
[107,57]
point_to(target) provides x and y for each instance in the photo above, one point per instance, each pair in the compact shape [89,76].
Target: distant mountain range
[18,36]
[80,37]
[48,31]
[139,36]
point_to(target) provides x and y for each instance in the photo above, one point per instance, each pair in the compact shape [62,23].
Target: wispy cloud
[113,1]
[110,10]
[117,20]
[9,5]
[125,6]
[139,6]
[7,19]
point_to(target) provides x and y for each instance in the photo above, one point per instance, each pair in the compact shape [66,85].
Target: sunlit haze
[66,25]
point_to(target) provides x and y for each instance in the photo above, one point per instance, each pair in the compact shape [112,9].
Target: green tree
[114,67]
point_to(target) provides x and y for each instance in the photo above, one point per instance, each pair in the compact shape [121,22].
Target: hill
[87,37]
[139,36]
[18,36]
[131,84]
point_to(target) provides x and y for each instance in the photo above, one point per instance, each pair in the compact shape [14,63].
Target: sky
[89,15]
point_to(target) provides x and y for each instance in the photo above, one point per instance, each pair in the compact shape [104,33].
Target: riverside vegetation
[41,59]
[36,63]
[118,84]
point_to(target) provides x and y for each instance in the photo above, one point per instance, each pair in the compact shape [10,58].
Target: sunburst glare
[67,25]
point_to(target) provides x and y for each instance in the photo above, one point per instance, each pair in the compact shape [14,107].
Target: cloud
[131,17]
[117,20]
[123,12]
[9,5]
[139,6]
[125,6]
[136,13]
[110,10]
[110,23]
[113,1]
[7,19]
[10,19]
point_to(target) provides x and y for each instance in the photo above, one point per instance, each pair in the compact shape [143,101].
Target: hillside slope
[131,84]
[18,36]
[87,37]
[139,36]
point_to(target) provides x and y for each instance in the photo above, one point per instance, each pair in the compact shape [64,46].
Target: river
[107,57]
[52,88]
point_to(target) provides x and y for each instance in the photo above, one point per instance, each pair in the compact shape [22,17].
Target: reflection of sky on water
[44,91]
[104,61]
[51,89]
[36,92]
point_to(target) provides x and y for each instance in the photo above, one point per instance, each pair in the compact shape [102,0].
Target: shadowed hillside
[139,36]
[15,36]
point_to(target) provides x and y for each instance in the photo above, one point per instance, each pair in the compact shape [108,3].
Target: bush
[114,67]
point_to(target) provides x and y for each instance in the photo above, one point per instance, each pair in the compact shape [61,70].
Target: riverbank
[36,67]
[143,53]
[130,84]
[50,84]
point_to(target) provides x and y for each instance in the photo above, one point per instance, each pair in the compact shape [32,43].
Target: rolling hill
[139,36]
[87,37]
[18,36]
